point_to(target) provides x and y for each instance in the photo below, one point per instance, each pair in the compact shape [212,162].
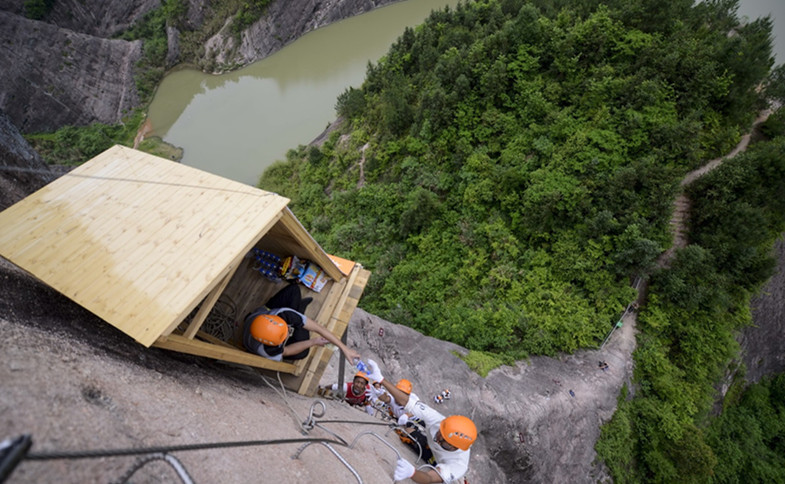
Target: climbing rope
[220,323]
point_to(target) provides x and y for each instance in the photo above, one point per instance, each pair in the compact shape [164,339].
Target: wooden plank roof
[139,240]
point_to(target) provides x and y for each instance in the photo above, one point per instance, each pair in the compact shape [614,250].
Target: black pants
[418,442]
[289,297]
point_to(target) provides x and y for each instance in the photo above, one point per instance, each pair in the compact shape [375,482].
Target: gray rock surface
[763,345]
[54,76]
[283,23]
[21,169]
[100,18]
[532,429]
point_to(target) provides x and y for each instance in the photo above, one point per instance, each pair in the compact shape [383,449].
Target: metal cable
[259,193]
[378,437]
[335,453]
[91,454]
[169,459]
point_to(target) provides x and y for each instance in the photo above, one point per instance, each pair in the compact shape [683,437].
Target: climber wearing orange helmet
[411,430]
[449,438]
[357,389]
[405,386]
[279,329]
[356,392]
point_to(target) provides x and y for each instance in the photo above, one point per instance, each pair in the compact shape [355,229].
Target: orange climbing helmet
[269,329]
[404,385]
[458,431]
[364,375]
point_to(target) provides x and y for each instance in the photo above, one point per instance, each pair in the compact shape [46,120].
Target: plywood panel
[136,239]
[141,241]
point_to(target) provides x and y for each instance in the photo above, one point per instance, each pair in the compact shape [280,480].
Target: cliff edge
[66,69]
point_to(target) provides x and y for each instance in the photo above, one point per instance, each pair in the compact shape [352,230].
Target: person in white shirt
[448,437]
[411,430]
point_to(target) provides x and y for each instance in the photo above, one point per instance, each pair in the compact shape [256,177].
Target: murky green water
[237,124]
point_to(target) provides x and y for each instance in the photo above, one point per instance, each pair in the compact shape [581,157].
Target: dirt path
[741,147]
[682,204]
[145,129]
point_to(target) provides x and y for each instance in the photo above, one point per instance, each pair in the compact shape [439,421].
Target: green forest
[509,167]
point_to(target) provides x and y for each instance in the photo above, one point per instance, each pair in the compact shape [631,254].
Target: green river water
[237,124]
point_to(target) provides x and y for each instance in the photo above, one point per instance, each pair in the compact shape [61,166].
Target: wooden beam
[212,339]
[304,239]
[209,302]
[343,308]
[182,344]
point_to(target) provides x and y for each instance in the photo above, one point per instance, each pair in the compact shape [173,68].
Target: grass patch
[158,147]
[73,145]
[482,362]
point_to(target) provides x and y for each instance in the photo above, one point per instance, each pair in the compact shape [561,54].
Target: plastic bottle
[358,363]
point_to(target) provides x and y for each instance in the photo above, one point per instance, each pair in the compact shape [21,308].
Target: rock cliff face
[283,22]
[22,170]
[763,345]
[99,18]
[55,76]
[538,420]
[66,70]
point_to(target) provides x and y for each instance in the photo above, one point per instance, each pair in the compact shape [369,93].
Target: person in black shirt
[280,329]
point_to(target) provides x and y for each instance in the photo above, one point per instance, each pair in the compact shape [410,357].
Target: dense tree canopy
[688,326]
[521,159]
[509,166]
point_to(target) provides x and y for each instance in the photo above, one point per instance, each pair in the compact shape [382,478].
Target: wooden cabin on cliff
[164,253]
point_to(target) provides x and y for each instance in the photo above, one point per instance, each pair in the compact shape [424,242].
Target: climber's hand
[403,470]
[375,374]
